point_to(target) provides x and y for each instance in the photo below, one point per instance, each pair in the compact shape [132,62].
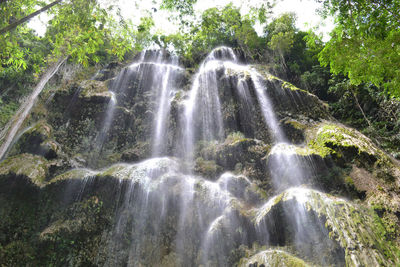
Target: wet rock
[348,145]
[288,99]
[294,130]
[74,233]
[237,153]
[139,152]
[50,149]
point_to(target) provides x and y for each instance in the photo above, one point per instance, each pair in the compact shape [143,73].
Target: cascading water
[202,115]
[107,121]
[164,98]
[266,108]
[153,72]
[233,188]
[153,186]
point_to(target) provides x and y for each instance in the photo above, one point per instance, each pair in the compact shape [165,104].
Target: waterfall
[162,188]
[219,179]
[163,100]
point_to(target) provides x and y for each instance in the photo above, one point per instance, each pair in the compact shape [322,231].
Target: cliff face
[150,164]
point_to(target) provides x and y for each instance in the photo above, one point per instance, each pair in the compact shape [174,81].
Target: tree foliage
[215,27]
[11,53]
[365,45]
[80,29]
[281,33]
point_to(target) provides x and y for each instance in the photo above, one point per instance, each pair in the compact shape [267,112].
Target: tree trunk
[25,19]
[15,123]
[359,106]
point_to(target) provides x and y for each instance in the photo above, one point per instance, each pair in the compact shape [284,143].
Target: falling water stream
[154,72]
[158,188]
[165,213]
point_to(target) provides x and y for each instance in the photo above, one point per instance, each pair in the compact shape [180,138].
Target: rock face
[145,165]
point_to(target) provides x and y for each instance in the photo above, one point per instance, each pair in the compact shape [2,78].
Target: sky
[305,9]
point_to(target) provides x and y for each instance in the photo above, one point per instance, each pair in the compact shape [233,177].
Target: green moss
[234,138]
[207,149]
[359,231]
[296,124]
[72,238]
[7,110]
[31,166]
[331,136]
[178,96]
[92,87]
[347,145]
[113,171]
[40,128]
[72,174]
[274,258]
[208,168]
[17,253]
[285,85]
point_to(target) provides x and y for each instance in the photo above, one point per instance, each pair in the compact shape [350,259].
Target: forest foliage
[357,71]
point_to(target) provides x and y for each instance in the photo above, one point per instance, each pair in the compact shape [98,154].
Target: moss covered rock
[37,140]
[237,153]
[357,229]
[273,258]
[94,91]
[290,100]
[34,168]
[207,168]
[346,145]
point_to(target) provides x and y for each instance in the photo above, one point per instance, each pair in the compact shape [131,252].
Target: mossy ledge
[273,257]
[359,230]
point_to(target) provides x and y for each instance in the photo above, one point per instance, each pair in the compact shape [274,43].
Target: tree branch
[359,106]
[25,19]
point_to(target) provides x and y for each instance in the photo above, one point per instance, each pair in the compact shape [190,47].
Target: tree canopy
[365,45]
[83,30]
